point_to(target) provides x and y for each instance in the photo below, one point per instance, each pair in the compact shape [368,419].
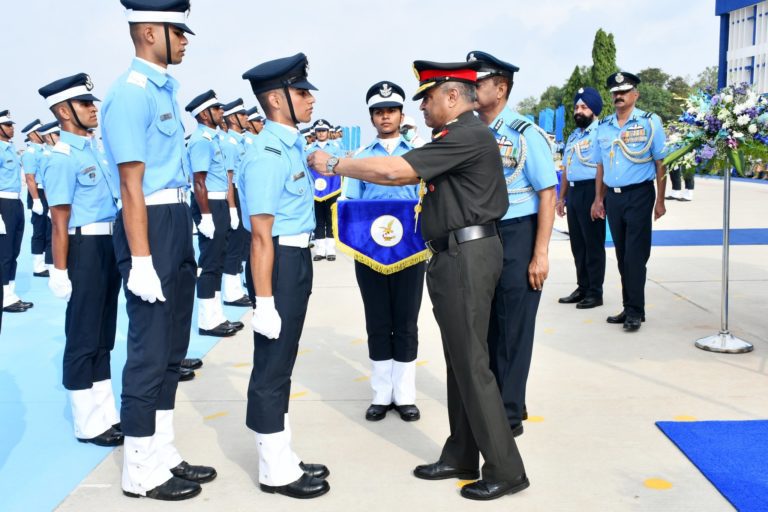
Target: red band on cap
[459,74]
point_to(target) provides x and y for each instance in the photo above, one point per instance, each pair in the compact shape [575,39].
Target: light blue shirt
[205,155]
[141,123]
[275,180]
[328,146]
[248,140]
[31,158]
[512,131]
[10,168]
[356,189]
[233,146]
[643,135]
[582,153]
[81,177]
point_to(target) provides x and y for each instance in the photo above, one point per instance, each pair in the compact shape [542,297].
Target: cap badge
[472,57]
[88,83]
[619,78]
[581,91]
[385,91]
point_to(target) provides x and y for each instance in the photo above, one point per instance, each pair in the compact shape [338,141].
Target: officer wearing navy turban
[577,193]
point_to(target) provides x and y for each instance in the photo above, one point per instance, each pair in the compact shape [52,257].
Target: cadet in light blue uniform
[83,200]
[631,156]
[11,216]
[144,143]
[587,236]
[525,230]
[213,195]
[327,190]
[276,197]
[50,133]
[31,160]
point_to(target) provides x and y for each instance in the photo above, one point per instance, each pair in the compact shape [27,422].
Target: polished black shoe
[186,374]
[377,412]
[192,363]
[199,474]
[223,330]
[517,430]
[16,307]
[573,298]
[111,437]
[118,426]
[632,323]
[242,302]
[484,490]
[174,489]
[304,488]
[440,471]
[317,257]
[237,325]
[315,470]
[408,412]
[589,303]
[44,273]
[620,318]
[331,257]
[525,412]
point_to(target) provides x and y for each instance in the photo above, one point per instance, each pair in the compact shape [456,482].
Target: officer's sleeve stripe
[273,150]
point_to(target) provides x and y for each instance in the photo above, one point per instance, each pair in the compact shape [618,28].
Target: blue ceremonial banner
[381,234]
[326,187]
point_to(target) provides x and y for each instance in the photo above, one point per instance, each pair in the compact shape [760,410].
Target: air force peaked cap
[173,12]
[75,87]
[491,66]
[5,117]
[622,81]
[385,94]
[32,127]
[253,114]
[49,128]
[279,73]
[321,124]
[431,74]
[206,100]
[234,107]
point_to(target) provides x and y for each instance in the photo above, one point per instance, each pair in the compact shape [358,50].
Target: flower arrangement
[719,131]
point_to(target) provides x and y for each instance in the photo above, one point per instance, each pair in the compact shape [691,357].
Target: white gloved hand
[49,214]
[143,280]
[234,220]
[206,227]
[266,319]
[37,206]
[2,226]
[60,284]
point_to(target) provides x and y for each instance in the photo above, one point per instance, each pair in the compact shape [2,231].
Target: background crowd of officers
[120,212]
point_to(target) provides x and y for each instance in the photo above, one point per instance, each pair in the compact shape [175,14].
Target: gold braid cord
[518,170]
[634,156]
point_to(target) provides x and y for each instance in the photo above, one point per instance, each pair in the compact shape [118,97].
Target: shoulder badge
[519,125]
[61,147]
[30,150]
[604,120]
[648,115]
[273,150]
[232,140]
[498,124]
[207,136]
[136,78]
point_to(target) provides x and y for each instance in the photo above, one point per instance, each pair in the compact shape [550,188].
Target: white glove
[266,319]
[206,227]
[234,220]
[60,284]
[37,206]
[2,226]
[49,214]
[143,280]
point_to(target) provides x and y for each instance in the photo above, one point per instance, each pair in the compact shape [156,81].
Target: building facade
[743,43]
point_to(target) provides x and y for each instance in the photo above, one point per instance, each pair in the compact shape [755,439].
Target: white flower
[743,120]
[725,125]
[738,109]
[691,110]
[675,138]
[722,115]
[752,129]
[700,116]
[727,98]
[738,135]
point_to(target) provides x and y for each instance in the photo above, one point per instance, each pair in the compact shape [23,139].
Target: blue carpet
[40,460]
[732,455]
[699,237]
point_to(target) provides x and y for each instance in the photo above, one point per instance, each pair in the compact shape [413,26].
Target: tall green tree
[577,80]
[552,97]
[528,106]
[707,78]
[653,76]
[679,87]
[658,100]
[603,65]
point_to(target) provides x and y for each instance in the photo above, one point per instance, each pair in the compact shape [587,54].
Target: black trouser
[270,386]
[587,239]
[630,219]
[461,281]
[237,245]
[91,311]
[513,315]
[324,218]
[158,333]
[677,178]
[392,304]
[213,250]
[10,244]
[41,228]
[251,290]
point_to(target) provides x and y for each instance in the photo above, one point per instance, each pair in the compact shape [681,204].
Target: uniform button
[301,191]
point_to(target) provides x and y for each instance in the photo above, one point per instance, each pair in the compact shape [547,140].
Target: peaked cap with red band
[431,74]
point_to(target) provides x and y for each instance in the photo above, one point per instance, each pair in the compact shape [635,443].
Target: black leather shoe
[304,488]
[525,412]
[589,303]
[242,302]
[199,474]
[118,426]
[320,471]
[573,298]
[317,257]
[485,490]
[44,273]
[377,412]
[620,318]
[440,471]
[517,430]
[16,307]
[408,412]
[223,330]
[331,257]
[632,323]
[191,364]
[237,325]
[111,437]
[174,489]
[186,374]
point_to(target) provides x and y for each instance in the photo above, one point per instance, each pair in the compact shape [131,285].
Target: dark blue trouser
[587,239]
[213,250]
[324,218]
[158,333]
[91,311]
[10,244]
[41,229]
[238,245]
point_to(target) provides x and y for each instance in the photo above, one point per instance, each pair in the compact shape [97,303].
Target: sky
[351,44]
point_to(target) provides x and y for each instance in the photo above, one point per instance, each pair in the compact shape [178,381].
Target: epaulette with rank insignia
[648,115]
[208,136]
[273,150]
[136,78]
[604,120]
[62,147]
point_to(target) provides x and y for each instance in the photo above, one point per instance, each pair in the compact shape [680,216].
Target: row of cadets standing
[83,194]
[252,129]
[391,301]
[37,203]
[327,190]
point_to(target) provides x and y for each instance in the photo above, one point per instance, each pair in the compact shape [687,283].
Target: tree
[659,101]
[653,76]
[550,98]
[603,65]
[707,79]
[679,87]
[575,82]
[528,106]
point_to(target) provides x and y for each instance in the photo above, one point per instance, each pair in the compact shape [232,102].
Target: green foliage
[603,65]
[654,76]
[528,106]
[707,78]
[574,83]
[659,101]
[679,87]
[551,98]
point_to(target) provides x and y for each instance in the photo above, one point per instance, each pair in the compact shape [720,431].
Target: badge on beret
[471,57]
[88,82]
[619,78]
[385,91]
[581,91]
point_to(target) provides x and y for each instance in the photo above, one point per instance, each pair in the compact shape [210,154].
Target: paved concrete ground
[594,393]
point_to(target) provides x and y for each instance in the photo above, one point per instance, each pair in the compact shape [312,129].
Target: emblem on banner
[320,184]
[387,231]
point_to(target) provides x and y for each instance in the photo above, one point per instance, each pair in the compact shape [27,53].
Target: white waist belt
[166,196]
[300,240]
[95,228]
[9,195]
[40,186]
[217,195]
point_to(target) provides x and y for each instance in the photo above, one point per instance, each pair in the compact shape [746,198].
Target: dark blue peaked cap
[491,65]
[5,117]
[32,127]
[279,73]
[75,87]
[206,100]
[173,12]
[234,107]
[49,128]
[385,94]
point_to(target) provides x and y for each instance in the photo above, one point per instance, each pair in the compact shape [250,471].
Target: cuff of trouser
[142,469]
[278,465]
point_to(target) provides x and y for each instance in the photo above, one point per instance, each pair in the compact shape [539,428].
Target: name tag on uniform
[88,169]
[298,176]
[166,116]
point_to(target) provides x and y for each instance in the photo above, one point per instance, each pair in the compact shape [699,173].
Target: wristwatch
[330,165]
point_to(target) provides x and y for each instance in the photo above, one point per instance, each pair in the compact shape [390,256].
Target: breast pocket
[89,177]
[298,187]
[167,124]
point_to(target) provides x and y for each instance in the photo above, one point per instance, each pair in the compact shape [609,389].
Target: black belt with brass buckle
[463,235]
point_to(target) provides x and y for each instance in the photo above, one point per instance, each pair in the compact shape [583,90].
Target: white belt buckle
[571,183]
[181,195]
[617,190]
